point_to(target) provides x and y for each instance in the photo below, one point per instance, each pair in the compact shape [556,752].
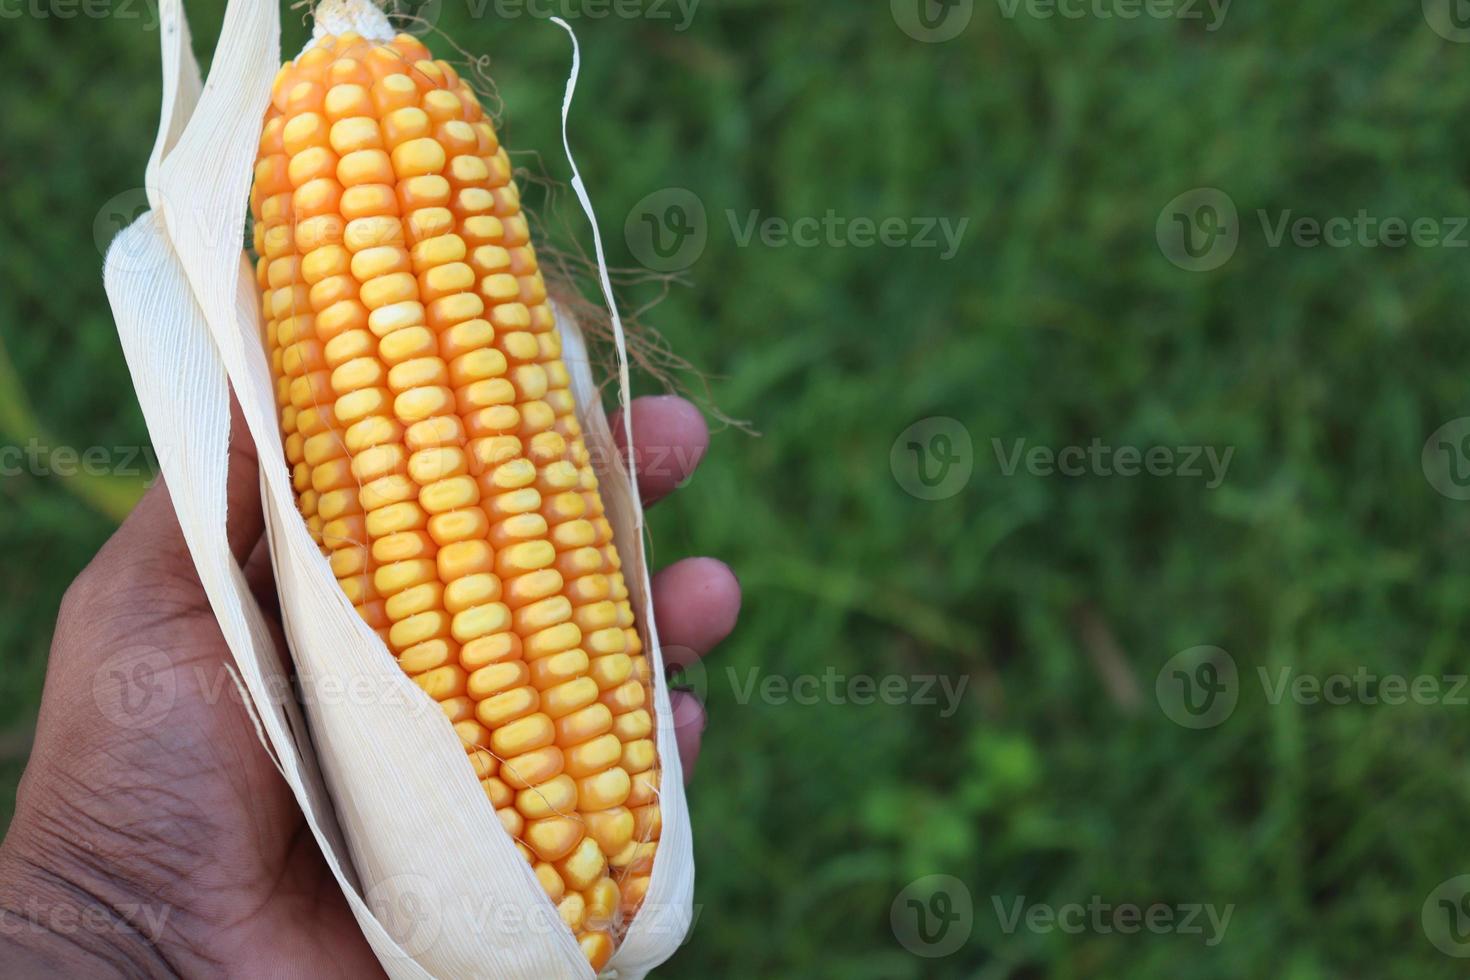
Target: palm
[212,832]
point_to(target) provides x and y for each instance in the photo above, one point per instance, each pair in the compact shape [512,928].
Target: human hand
[153,835]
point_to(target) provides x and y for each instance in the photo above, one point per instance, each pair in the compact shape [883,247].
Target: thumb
[153,526]
[244,519]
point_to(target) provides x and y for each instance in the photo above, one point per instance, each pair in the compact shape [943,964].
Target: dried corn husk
[432,877]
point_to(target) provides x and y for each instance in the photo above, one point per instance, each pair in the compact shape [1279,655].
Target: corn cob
[438,461]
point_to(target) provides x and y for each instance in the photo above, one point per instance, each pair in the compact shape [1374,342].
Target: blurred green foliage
[1057,600]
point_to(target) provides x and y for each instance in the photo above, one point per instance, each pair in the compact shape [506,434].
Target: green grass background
[1058,599]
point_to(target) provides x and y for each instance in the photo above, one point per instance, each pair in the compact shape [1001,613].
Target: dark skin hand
[153,835]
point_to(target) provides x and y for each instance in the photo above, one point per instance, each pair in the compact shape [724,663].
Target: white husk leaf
[433,879]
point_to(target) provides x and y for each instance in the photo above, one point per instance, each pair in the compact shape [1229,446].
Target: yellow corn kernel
[635,890]
[603,901]
[573,911]
[581,869]
[553,838]
[533,768]
[551,882]
[556,797]
[434,447]
[597,947]
[613,829]
[610,788]
[594,756]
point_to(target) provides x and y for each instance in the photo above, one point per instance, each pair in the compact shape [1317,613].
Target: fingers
[260,574]
[696,603]
[244,519]
[671,439]
[153,526]
[689,724]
